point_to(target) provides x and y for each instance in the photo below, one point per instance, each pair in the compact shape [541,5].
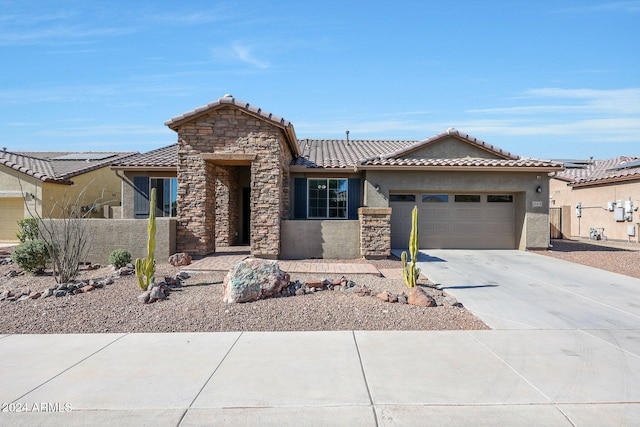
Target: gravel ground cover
[618,257]
[197,307]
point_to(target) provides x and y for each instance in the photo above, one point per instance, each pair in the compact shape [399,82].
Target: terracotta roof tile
[619,168]
[457,134]
[467,162]
[50,166]
[164,157]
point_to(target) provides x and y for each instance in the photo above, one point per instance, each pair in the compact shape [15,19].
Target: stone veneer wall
[375,232]
[227,205]
[230,130]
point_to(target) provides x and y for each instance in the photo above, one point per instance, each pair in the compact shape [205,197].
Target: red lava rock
[314,284]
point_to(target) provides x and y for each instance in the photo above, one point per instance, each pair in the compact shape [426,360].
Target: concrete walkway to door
[510,289]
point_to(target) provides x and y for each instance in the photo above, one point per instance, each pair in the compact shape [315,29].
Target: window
[500,198]
[435,198]
[166,196]
[467,198]
[327,198]
[402,198]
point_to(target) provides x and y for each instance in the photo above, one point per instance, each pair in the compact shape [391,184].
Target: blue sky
[540,78]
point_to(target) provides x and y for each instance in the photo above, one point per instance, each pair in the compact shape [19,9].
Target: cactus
[146,268]
[409,270]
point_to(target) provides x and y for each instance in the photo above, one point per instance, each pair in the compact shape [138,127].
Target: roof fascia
[463,168]
[605,181]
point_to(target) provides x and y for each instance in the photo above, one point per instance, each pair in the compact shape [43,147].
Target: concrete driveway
[510,289]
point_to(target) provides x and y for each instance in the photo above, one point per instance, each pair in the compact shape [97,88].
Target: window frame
[173,190]
[341,183]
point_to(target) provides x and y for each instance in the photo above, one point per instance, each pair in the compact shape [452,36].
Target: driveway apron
[510,289]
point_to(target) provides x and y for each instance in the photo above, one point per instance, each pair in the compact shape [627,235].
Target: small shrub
[119,258]
[28,229]
[31,256]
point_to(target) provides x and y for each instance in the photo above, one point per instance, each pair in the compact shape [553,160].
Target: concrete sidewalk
[515,378]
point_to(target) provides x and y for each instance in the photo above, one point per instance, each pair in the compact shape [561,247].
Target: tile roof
[60,167]
[338,153]
[619,168]
[456,134]
[474,162]
[332,153]
[164,157]
[229,99]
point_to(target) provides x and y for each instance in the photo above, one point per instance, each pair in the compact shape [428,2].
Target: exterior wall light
[539,189]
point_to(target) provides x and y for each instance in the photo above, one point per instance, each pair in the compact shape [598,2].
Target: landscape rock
[144,297]
[61,293]
[383,296]
[47,293]
[417,296]
[253,279]
[87,288]
[362,291]
[35,295]
[180,259]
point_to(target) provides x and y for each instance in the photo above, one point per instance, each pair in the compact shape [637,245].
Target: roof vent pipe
[347,132]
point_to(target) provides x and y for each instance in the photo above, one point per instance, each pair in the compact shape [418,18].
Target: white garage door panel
[451,225]
[11,211]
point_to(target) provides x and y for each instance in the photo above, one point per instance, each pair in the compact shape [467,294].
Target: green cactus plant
[146,268]
[409,270]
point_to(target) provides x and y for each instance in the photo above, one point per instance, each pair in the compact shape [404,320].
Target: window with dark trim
[327,198]
[435,198]
[500,198]
[402,197]
[467,198]
[166,196]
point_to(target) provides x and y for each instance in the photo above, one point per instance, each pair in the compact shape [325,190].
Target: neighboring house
[41,182]
[600,198]
[243,177]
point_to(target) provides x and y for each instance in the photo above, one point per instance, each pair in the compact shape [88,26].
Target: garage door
[455,220]
[11,211]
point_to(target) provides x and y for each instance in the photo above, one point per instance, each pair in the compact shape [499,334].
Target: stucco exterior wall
[14,184]
[449,148]
[320,239]
[130,234]
[102,187]
[532,208]
[595,214]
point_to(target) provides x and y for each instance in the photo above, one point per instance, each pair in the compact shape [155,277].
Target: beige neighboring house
[597,199]
[239,175]
[40,182]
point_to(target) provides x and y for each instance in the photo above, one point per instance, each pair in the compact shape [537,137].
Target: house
[39,183]
[597,199]
[241,176]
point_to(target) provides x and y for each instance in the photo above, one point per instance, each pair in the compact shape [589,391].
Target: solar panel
[629,165]
[84,156]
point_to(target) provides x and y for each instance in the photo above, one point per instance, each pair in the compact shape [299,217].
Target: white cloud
[576,101]
[240,52]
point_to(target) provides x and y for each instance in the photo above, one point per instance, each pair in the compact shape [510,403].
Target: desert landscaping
[109,302]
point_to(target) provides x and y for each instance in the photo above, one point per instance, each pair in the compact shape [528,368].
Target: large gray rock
[253,279]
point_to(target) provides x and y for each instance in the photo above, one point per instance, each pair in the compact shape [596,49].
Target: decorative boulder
[180,259]
[417,296]
[253,279]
